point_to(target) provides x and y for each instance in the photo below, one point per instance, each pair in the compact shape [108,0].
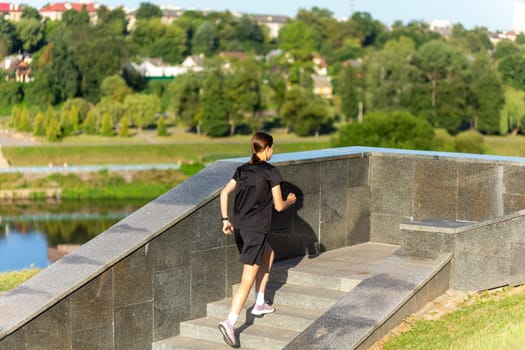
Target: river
[38,233]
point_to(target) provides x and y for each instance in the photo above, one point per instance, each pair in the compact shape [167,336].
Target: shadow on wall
[291,235]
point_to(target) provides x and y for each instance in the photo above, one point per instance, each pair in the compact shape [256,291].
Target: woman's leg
[261,280]
[249,273]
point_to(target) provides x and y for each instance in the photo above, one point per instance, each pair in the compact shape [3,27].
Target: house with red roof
[55,10]
[12,12]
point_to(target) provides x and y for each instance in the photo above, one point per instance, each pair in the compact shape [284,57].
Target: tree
[170,46]
[512,70]
[505,48]
[115,87]
[123,129]
[31,34]
[106,125]
[11,93]
[162,130]
[299,39]
[29,12]
[145,33]
[115,19]
[205,40]
[111,106]
[444,69]
[53,133]
[9,41]
[473,41]
[250,34]
[58,74]
[80,106]
[391,77]
[419,32]
[141,109]
[244,91]
[185,90]
[39,125]
[396,130]
[366,28]
[350,89]
[296,99]
[313,117]
[487,95]
[90,126]
[98,53]
[214,105]
[513,111]
[147,10]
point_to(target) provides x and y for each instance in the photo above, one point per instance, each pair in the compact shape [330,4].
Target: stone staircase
[302,290]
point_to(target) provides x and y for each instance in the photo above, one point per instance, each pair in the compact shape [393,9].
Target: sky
[493,14]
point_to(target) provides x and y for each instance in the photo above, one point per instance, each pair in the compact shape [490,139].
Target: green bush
[443,141]
[469,142]
[394,130]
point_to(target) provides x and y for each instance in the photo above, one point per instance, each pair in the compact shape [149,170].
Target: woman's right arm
[227,226]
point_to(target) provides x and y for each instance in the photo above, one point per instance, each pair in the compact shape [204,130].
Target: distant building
[18,68]
[157,69]
[272,22]
[55,10]
[194,62]
[322,86]
[443,27]
[11,12]
[319,65]
[519,16]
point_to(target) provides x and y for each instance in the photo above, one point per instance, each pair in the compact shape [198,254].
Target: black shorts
[250,245]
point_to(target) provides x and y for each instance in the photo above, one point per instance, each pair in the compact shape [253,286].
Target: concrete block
[133,280]
[100,338]
[435,189]
[473,272]
[384,228]
[480,190]
[134,326]
[92,306]
[392,185]
[171,301]
[206,265]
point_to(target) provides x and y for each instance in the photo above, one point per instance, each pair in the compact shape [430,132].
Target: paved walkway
[8,138]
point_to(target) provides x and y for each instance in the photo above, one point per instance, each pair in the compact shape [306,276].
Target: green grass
[505,145]
[10,280]
[490,322]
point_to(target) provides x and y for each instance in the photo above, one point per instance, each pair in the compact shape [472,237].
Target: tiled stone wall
[447,187]
[134,283]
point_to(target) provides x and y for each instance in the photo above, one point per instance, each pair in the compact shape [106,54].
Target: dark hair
[260,141]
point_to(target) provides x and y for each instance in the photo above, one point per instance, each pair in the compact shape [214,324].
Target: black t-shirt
[252,209]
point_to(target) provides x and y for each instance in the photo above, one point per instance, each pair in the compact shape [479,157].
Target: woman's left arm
[278,201]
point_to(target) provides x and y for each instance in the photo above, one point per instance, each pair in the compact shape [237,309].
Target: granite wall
[440,186]
[134,283]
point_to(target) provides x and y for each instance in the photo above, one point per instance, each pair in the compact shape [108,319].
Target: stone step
[285,316]
[302,290]
[299,296]
[280,275]
[249,335]
[185,343]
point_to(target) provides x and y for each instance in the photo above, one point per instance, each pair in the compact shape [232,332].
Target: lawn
[489,320]
[148,148]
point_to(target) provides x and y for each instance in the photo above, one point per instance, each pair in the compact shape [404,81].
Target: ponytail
[260,141]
